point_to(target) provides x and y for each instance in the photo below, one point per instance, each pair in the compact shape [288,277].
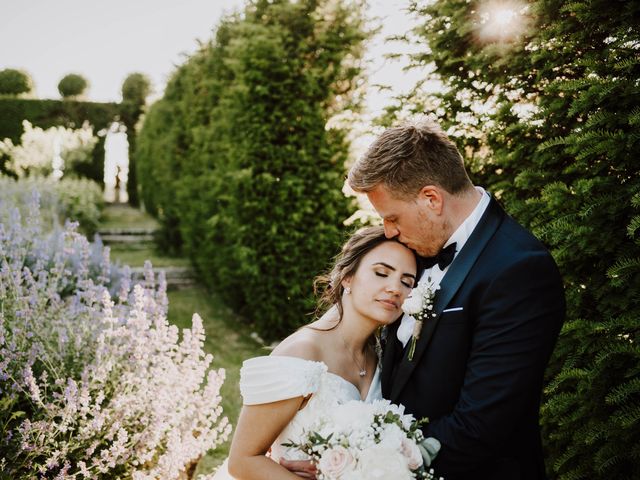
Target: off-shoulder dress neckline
[375,378]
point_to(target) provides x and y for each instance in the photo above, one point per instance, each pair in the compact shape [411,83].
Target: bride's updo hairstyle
[329,286]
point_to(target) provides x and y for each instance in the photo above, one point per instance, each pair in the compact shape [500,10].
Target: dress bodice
[272,378]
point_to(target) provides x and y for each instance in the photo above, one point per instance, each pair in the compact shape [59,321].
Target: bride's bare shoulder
[306,343]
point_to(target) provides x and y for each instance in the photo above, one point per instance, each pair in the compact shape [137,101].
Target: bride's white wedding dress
[274,378]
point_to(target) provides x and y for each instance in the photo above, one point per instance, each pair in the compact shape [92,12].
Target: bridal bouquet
[358,441]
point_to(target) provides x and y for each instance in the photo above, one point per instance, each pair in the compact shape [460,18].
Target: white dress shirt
[460,237]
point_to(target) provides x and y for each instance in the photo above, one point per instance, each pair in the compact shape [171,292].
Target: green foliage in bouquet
[237,160]
[547,108]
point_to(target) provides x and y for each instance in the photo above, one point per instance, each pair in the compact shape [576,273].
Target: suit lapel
[453,279]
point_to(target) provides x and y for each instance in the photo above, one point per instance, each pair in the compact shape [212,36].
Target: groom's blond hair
[408,157]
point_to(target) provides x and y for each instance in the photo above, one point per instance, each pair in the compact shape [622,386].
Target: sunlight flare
[502,20]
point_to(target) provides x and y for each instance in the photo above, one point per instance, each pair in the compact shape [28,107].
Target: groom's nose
[390,229]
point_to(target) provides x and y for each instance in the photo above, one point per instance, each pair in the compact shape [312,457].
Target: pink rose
[336,461]
[411,451]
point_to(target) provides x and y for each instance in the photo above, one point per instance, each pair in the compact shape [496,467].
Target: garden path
[129,233]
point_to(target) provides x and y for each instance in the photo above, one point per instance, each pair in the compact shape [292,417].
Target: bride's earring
[347,290]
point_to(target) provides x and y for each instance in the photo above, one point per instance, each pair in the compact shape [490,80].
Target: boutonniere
[419,304]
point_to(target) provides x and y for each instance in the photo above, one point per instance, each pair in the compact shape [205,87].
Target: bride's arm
[257,429]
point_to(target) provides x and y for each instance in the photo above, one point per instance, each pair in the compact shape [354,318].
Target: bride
[330,361]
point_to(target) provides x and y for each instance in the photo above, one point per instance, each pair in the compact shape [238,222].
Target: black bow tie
[443,258]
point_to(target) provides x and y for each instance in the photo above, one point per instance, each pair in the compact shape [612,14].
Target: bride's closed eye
[407,284]
[404,282]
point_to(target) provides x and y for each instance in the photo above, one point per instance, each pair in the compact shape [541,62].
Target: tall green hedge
[49,113]
[237,162]
[549,120]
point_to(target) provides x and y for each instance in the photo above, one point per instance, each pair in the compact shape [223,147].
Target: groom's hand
[302,468]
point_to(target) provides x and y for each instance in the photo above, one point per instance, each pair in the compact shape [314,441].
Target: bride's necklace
[362,369]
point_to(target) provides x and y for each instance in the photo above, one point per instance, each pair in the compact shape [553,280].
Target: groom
[477,371]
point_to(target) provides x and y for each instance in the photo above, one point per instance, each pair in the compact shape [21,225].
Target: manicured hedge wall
[48,113]
[238,163]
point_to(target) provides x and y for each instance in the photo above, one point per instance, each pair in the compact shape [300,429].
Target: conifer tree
[547,114]
[250,177]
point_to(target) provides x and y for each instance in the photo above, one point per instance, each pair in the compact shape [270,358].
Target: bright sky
[105,41]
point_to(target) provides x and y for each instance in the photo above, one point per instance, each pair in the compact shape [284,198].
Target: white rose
[413,303]
[407,421]
[354,475]
[392,436]
[352,415]
[412,453]
[396,409]
[380,406]
[335,462]
[383,463]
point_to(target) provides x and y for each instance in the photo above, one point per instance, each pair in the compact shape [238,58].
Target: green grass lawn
[135,257]
[123,216]
[228,340]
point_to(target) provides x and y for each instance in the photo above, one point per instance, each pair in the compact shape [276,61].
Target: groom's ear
[432,198]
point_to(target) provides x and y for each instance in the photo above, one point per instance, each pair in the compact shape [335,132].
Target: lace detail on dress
[273,378]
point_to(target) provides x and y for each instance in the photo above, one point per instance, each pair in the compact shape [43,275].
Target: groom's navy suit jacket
[477,371]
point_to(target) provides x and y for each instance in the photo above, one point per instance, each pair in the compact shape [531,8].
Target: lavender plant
[68,198]
[94,382]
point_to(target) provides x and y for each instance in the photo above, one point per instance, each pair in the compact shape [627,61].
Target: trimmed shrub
[72,85]
[548,119]
[14,82]
[136,88]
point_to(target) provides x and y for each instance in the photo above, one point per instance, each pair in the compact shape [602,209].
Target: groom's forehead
[388,208]
[381,199]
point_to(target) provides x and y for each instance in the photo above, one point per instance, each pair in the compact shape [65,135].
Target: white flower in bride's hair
[335,462]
